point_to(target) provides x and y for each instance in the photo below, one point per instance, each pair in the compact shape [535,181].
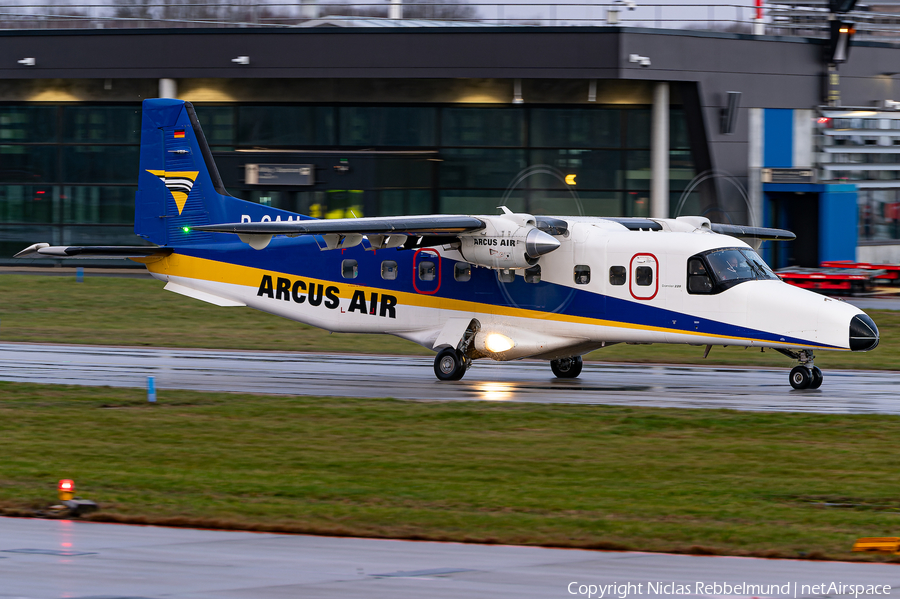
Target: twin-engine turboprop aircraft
[502,286]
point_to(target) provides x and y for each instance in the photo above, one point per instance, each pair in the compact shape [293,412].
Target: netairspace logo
[790,589]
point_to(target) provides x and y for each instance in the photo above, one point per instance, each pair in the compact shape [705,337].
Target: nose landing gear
[806,375]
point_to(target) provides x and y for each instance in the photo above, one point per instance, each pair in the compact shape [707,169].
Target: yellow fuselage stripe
[191,267]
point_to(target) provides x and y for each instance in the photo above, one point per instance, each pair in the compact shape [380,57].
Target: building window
[102,124]
[295,126]
[576,128]
[27,124]
[387,126]
[475,127]
[100,164]
[28,164]
[218,124]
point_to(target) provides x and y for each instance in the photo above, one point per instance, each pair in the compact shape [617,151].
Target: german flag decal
[179,183]
[179,133]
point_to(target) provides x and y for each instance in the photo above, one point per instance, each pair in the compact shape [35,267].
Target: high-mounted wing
[339,233]
[92,251]
[759,233]
[394,225]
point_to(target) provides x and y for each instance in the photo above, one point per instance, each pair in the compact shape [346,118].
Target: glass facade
[67,174]
[68,171]
[864,148]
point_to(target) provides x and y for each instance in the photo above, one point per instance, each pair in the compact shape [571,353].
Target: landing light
[497,343]
[186,229]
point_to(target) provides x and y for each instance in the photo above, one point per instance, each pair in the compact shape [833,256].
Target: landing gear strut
[450,364]
[567,368]
[806,375]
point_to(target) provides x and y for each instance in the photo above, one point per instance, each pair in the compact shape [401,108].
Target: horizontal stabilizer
[399,225]
[92,251]
[760,233]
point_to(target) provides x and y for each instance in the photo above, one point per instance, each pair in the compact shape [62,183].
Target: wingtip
[31,249]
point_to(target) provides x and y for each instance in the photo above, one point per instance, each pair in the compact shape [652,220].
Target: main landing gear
[806,375]
[450,364]
[567,368]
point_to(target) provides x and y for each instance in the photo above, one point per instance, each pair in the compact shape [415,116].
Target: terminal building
[363,117]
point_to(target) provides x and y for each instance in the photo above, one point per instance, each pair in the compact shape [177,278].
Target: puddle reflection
[495,391]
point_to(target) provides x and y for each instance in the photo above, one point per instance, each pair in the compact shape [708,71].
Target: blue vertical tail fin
[179,186]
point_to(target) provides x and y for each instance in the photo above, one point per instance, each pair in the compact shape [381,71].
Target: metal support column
[659,152]
[167,88]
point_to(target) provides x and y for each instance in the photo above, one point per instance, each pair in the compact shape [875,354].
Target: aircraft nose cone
[538,243]
[863,333]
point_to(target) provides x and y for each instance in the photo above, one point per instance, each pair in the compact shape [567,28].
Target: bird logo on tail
[179,184]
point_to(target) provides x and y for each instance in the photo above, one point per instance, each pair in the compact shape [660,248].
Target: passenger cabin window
[582,274]
[427,271]
[643,276]
[533,274]
[617,275]
[349,269]
[388,270]
[462,272]
[698,278]
[506,275]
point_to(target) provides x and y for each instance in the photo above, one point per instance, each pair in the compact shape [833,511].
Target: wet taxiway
[409,377]
[51,559]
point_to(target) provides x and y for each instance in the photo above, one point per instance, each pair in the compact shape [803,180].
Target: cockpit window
[738,265]
[698,277]
[720,269]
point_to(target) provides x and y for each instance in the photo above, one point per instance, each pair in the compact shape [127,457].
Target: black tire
[567,368]
[449,365]
[801,377]
[817,378]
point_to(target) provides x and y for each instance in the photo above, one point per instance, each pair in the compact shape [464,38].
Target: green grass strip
[702,481]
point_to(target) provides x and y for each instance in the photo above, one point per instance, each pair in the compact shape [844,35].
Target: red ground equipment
[846,280]
[891,272]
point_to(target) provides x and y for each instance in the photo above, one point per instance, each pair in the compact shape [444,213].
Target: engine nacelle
[507,242]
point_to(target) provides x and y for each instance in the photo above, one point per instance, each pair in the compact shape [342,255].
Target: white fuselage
[578,304]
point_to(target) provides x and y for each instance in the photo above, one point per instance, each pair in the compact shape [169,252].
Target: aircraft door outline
[424,285]
[642,262]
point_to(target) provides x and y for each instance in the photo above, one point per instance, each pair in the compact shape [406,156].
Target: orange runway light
[66,489]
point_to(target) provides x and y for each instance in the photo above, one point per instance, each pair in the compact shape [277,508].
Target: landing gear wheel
[801,377]
[450,365]
[567,368]
[817,378]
